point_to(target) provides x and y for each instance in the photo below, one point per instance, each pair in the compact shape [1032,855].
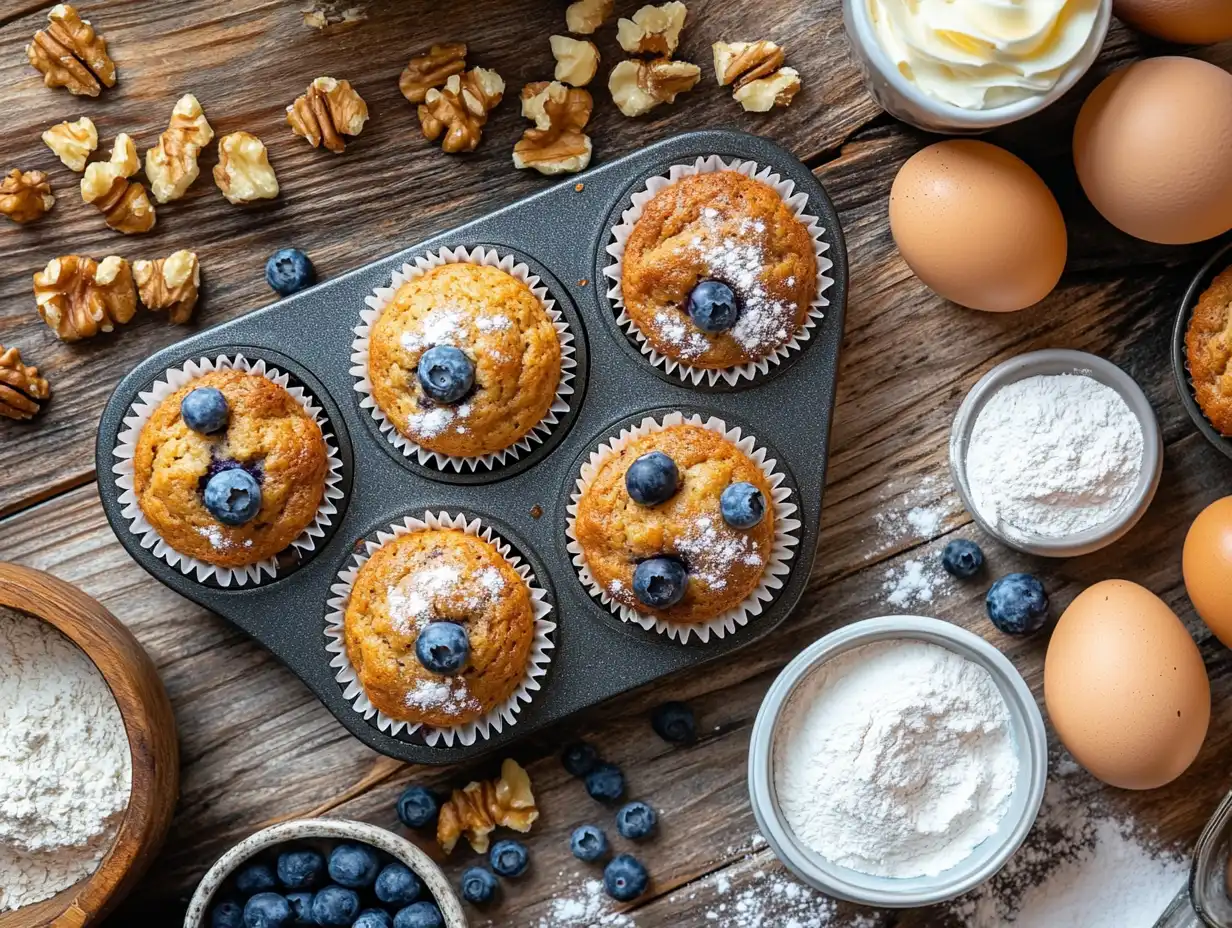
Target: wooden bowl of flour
[149,724]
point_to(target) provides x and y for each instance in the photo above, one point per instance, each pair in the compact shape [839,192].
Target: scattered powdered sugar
[441,326]
[915,581]
[497,323]
[774,900]
[448,693]
[711,549]
[491,580]
[411,602]
[586,906]
[688,342]
[919,515]
[432,422]
[213,534]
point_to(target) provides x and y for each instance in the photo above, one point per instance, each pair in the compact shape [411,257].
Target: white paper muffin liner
[126,448]
[496,719]
[786,529]
[381,297]
[798,202]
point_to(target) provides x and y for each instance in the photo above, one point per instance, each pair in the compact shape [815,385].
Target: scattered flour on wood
[915,581]
[583,906]
[775,900]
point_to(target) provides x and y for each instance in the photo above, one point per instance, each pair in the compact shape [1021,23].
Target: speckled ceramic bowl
[331,829]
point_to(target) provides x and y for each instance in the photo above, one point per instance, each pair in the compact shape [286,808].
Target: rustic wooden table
[256,746]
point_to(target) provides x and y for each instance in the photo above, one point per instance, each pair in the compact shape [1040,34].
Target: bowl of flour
[897,762]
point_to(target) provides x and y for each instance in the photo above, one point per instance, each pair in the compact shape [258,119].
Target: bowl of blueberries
[326,872]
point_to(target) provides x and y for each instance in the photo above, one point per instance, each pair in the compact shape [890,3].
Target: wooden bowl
[150,724]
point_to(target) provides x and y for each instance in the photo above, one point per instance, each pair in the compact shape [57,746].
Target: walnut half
[243,172]
[764,94]
[125,206]
[25,195]
[80,297]
[171,283]
[653,30]
[432,69]
[73,142]
[586,16]
[639,86]
[756,69]
[459,110]
[576,60]
[22,390]
[479,808]
[70,54]
[328,110]
[557,144]
[171,165]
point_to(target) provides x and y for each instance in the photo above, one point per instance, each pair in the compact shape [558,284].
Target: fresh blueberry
[442,647]
[446,374]
[373,918]
[1017,604]
[353,865]
[962,559]
[397,885]
[660,582]
[300,869]
[588,843]
[743,505]
[233,497]
[227,915]
[625,878]
[652,479]
[421,915]
[289,270]
[478,885]
[606,783]
[636,821]
[674,722]
[509,858]
[579,758]
[267,910]
[712,306]
[205,410]
[255,878]
[301,908]
[418,807]
[335,907]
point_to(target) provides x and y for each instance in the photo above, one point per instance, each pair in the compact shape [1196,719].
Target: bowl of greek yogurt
[966,66]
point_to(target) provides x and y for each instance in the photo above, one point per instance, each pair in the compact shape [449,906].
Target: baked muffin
[230,469]
[1208,344]
[678,524]
[439,628]
[718,271]
[464,360]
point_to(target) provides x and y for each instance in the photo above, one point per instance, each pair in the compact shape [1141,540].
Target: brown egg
[1208,567]
[978,226]
[1151,148]
[1125,686]
[1192,22]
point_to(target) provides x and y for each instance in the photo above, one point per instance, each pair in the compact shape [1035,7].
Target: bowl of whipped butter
[965,66]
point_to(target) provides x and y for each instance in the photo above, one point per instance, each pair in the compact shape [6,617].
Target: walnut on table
[653,30]
[326,111]
[757,73]
[577,61]
[479,808]
[70,54]
[459,110]
[73,142]
[331,16]
[639,86]
[243,172]
[586,16]
[171,165]
[22,390]
[557,144]
[125,206]
[171,283]
[433,69]
[25,195]
[79,297]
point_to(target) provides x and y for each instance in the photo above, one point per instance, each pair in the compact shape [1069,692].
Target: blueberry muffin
[718,271]
[465,360]
[439,628]
[678,524]
[230,469]
[1208,344]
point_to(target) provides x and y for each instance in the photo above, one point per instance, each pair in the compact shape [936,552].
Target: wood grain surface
[255,746]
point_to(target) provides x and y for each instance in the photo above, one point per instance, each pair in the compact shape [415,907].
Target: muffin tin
[561,234]
[1220,260]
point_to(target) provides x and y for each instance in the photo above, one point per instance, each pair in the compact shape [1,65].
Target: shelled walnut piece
[25,195]
[125,205]
[460,109]
[73,142]
[80,297]
[586,16]
[433,69]
[70,54]
[171,165]
[479,808]
[328,110]
[756,70]
[653,30]
[557,144]
[639,86]
[576,60]
[171,283]
[243,172]
[22,390]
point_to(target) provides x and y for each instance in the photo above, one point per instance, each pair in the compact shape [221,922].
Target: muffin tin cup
[491,722]
[786,531]
[797,201]
[381,297]
[1206,275]
[125,450]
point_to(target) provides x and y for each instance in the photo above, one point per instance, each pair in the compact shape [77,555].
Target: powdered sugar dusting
[441,590]
[688,342]
[915,581]
[437,419]
[774,900]
[495,323]
[711,548]
[450,694]
[586,906]
[214,535]
[442,326]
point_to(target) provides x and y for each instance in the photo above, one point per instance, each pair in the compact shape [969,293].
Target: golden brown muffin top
[1208,344]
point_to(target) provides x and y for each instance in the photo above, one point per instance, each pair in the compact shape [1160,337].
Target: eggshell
[978,226]
[1125,686]
[1192,22]
[1207,564]
[1151,148]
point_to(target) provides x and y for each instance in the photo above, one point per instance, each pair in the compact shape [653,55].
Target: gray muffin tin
[561,233]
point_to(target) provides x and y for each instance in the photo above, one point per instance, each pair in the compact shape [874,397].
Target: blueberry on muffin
[1208,345]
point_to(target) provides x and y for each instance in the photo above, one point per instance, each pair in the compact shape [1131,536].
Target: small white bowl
[1027,728]
[1062,361]
[308,830]
[906,101]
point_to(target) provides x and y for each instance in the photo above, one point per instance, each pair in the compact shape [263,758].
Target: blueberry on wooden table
[289,270]
[422,915]
[446,373]
[374,918]
[267,910]
[962,559]
[255,878]
[227,914]
[660,582]
[335,907]
[636,821]
[713,307]
[625,878]
[652,479]
[588,843]
[579,758]
[743,506]
[1017,604]
[509,858]
[674,722]
[396,885]
[478,885]
[233,497]
[205,410]
[606,783]
[300,869]
[442,647]
[418,807]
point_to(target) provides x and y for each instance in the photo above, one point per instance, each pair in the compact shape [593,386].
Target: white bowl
[1027,728]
